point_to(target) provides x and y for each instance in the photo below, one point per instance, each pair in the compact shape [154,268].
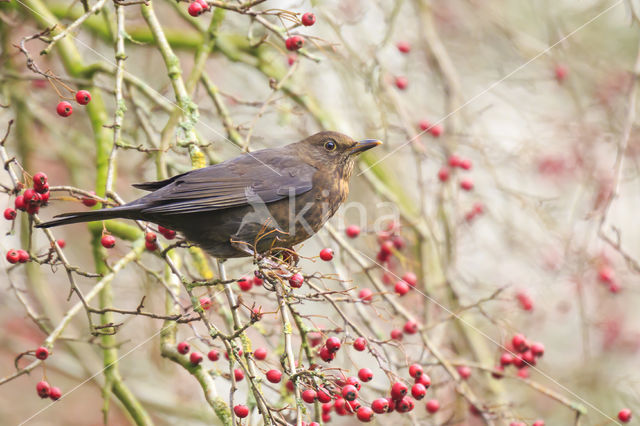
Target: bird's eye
[330,145]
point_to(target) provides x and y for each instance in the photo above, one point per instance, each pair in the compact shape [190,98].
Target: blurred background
[539,98]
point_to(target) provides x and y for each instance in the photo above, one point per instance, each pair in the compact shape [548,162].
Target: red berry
[183,348]
[454,160]
[464,372]
[523,373]
[353,406]
[204,4]
[497,372]
[606,274]
[42,353]
[561,72]
[169,234]
[205,302]
[624,415]
[308,19]
[366,295]
[404,405]
[88,201]
[151,246]
[402,288]
[364,414]
[83,97]
[410,278]
[352,231]
[294,43]
[55,393]
[323,396]
[398,391]
[326,417]
[108,241]
[296,280]
[506,359]
[403,46]
[195,358]
[466,184]
[43,389]
[238,374]
[353,381]
[20,203]
[349,393]
[333,344]
[416,371]
[519,342]
[432,405]
[309,396]
[326,254]
[380,405]
[13,256]
[424,380]
[466,164]
[195,9]
[30,195]
[525,301]
[360,344]
[443,174]
[435,130]
[418,391]
[64,109]
[326,355]
[401,82]
[292,58]
[245,284]
[260,354]
[241,411]
[538,423]
[274,376]
[410,327]
[537,349]
[44,197]
[365,374]
[529,358]
[150,237]
[23,256]
[396,334]
[213,355]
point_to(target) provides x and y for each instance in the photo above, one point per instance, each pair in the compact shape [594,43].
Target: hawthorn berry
[360,344]
[332,344]
[537,349]
[401,288]
[523,373]
[55,393]
[241,411]
[323,396]
[519,342]
[89,201]
[354,382]
[401,82]
[150,237]
[326,355]
[292,58]
[44,197]
[398,391]
[309,396]
[466,184]
[538,423]
[364,414]
[108,241]
[366,295]
[238,374]
[403,46]
[352,231]
[195,358]
[195,9]
[506,358]
[418,391]
[151,246]
[606,274]
[326,254]
[83,97]
[19,203]
[327,407]
[183,348]
[205,302]
[454,160]
[353,406]
[404,405]
[169,234]
[380,405]
[561,72]
[464,372]
[64,109]
[466,164]
[42,353]
[308,19]
[435,130]
[30,195]
[443,174]
[326,417]
[260,354]
[424,380]
[416,371]
[43,389]
[410,327]
[296,280]
[204,4]
[245,284]
[274,376]
[396,334]
[624,415]
[349,393]
[13,257]
[294,43]
[365,374]
[213,355]
[23,256]
[432,405]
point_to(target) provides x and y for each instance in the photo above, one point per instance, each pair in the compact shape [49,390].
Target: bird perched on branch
[272,198]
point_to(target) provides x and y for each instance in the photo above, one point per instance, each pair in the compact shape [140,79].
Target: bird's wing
[248,179]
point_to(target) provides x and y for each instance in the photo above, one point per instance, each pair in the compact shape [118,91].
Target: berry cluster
[526,354]
[32,198]
[65,109]
[198,7]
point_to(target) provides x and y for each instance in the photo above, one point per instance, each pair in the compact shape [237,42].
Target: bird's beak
[364,145]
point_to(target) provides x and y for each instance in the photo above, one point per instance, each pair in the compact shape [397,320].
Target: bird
[271,199]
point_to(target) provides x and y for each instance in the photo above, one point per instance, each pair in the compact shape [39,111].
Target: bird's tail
[90,216]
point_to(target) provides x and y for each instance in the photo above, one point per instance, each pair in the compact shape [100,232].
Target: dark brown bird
[272,198]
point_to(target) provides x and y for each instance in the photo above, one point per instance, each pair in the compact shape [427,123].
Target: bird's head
[333,151]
